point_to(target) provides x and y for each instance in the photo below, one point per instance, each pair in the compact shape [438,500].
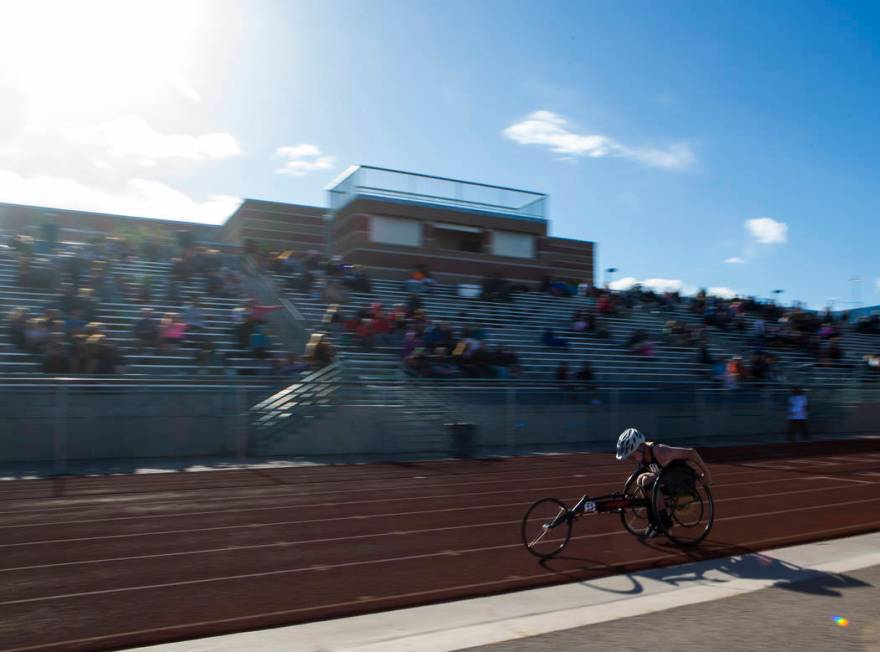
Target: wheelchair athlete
[681,465]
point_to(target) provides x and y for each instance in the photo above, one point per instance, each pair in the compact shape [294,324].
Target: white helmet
[629,440]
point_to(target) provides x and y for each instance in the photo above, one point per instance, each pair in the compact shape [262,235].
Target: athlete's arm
[668,454]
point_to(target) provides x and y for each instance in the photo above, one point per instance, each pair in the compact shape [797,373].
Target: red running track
[106,562]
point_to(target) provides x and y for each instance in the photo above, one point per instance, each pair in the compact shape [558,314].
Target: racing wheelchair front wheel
[546,528]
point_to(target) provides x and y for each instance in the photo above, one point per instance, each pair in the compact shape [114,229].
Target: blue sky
[676,135]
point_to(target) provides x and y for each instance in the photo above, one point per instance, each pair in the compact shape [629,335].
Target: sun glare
[97,53]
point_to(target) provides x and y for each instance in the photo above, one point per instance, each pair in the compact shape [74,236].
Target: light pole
[856,287]
[608,273]
[776,295]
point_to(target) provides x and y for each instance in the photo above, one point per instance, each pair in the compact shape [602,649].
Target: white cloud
[655,284]
[133,137]
[735,260]
[303,158]
[766,230]
[623,283]
[138,197]
[552,131]
[661,285]
[722,292]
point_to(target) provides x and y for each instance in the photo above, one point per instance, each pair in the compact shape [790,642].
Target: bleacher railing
[383,183]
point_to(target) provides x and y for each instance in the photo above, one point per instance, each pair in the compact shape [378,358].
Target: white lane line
[278,544]
[372,562]
[828,477]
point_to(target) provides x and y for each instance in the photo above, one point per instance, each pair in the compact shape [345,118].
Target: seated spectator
[194,317]
[75,324]
[639,343]
[259,342]
[334,291]
[105,357]
[319,353]
[578,322]
[172,330]
[303,282]
[87,304]
[260,313]
[703,356]
[16,325]
[206,355]
[420,280]
[175,295]
[585,376]
[146,331]
[233,283]
[145,291]
[562,377]
[36,334]
[549,339]
[292,365]
[55,359]
[495,288]
[357,280]
[67,301]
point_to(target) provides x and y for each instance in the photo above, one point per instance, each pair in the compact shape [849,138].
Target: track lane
[364,566]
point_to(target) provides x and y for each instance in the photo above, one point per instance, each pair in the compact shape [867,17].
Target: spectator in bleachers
[78,356]
[585,377]
[549,339]
[420,279]
[496,288]
[578,321]
[733,372]
[334,291]
[105,357]
[356,279]
[206,355]
[194,317]
[319,352]
[74,322]
[146,331]
[303,282]
[233,283]
[259,343]
[561,375]
[125,288]
[312,262]
[16,325]
[87,304]
[36,334]
[606,305]
[292,365]
[174,295]
[145,289]
[259,313]
[55,358]
[172,330]
[639,343]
